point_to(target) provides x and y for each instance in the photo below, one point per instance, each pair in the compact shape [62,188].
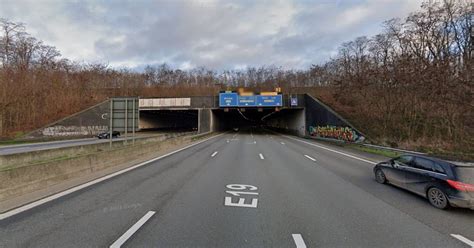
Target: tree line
[409,86]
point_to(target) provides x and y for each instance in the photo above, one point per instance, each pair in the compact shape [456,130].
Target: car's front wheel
[380,176]
[437,198]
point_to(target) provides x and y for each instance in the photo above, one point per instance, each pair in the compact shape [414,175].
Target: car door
[395,172]
[419,174]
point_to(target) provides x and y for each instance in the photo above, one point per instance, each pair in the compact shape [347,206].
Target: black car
[106,135]
[443,183]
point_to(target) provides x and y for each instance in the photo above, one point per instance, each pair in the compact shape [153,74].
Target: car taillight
[461,186]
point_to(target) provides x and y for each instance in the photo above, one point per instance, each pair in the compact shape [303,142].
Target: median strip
[85,185]
[120,241]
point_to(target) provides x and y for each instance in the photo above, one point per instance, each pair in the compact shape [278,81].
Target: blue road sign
[294,101]
[269,101]
[234,100]
[247,101]
[228,100]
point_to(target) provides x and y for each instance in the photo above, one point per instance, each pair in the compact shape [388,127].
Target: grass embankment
[374,150]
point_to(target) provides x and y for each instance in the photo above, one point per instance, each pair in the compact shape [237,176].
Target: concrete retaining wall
[323,122]
[88,122]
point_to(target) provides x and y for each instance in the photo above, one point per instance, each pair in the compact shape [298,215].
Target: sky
[215,34]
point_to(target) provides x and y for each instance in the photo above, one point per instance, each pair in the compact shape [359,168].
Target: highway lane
[323,199]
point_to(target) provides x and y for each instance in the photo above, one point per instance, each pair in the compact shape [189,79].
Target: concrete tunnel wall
[292,121]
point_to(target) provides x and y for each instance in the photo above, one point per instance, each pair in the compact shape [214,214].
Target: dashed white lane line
[120,241]
[298,241]
[283,143]
[85,185]
[214,154]
[331,150]
[310,158]
[463,239]
[261,156]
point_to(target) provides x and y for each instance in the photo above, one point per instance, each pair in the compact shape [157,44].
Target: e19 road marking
[261,156]
[244,189]
[120,241]
[299,242]
[214,154]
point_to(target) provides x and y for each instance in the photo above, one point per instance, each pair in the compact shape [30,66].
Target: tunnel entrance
[169,120]
[289,120]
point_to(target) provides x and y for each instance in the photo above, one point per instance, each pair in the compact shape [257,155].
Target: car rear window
[465,174]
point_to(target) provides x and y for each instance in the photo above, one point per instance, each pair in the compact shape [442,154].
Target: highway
[295,193]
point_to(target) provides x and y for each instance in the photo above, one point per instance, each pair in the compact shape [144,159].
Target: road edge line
[331,150]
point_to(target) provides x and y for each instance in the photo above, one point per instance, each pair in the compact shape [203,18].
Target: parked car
[106,135]
[444,184]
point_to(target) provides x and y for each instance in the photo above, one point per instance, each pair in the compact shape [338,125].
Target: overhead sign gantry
[264,99]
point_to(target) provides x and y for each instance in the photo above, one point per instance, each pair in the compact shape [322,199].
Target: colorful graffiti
[334,132]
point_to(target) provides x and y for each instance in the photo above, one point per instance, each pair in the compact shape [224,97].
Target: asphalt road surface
[242,190]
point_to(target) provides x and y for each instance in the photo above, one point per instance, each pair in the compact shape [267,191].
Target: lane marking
[120,241]
[214,154]
[310,158]
[299,242]
[463,239]
[283,143]
[98,180]
[261,156]
[331,150]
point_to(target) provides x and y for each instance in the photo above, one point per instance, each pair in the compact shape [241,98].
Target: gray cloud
[215,34]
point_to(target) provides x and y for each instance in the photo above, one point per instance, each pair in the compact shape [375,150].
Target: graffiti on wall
[73,130]
[334,132]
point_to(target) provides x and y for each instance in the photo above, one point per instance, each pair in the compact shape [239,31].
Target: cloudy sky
[213,33]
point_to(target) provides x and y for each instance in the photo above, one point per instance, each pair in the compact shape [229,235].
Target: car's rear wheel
[437,198]
[380,176]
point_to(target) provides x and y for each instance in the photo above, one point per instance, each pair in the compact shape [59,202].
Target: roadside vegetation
[410,86]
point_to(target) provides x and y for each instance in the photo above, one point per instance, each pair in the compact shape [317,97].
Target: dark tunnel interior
[237,119]
[175,120]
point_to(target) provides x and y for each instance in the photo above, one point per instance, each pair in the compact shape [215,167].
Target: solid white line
[85,185]
[331,150]
[298,241]
[261,156]
[310,158]
[120,241]
[214,154]
[463,239]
